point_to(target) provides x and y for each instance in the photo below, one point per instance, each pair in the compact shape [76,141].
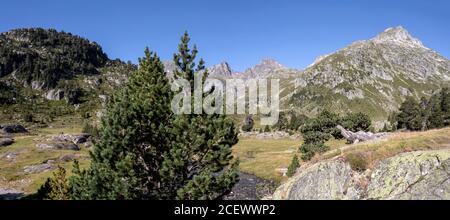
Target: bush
[357,161]
[293,166]
[308,150]
[55,188]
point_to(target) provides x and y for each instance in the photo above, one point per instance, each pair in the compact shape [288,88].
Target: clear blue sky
[238,31]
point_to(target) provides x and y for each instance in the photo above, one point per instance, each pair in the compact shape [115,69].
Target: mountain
[38,66]
[371,76]
[43,57]
[221,70]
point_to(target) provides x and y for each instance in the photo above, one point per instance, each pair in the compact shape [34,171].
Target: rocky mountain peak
[221,69]
[270,63]
[397,35]
[265,68]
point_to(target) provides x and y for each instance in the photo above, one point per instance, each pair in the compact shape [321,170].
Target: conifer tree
[134,134]
[199,164]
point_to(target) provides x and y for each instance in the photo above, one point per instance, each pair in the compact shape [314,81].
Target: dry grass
[400,142]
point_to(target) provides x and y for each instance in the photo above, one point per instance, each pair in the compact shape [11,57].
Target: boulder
[12,128]
[76,139]
[10,194]
[39,168]
[6,142]
[58,146]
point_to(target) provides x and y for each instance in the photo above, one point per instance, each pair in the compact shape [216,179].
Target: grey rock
[10,194]
[12,128]
[326,180]
[54,94]
[6,141]
[39,168]
[422,175]
[58,146]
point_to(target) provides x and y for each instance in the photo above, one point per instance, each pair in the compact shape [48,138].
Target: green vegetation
[427,114]
[293,166]
[46,56]
[357,161]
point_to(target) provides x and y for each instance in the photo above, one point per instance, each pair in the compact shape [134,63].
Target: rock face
[413,175]
[12,128]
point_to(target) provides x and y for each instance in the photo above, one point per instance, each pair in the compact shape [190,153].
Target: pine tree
[134,135]
[199,164]
[435,116]
[409,116]
[445,105]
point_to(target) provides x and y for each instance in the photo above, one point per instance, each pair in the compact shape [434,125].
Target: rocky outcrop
[413,175]
[327,180]
[12,128]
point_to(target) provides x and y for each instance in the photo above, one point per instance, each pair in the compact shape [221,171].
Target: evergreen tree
[433,113]
[445,105]
[409,116]
[199,164]
[134,135]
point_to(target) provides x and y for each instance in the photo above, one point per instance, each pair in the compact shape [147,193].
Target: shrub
[357,161]
[308,150]
[293,166]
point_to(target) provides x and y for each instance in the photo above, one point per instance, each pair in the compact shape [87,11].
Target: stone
[6,141]
[10,194]
[12,128]
[54,94]
[39,168]
[58,146]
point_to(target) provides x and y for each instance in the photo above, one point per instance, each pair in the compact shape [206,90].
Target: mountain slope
[371,76]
